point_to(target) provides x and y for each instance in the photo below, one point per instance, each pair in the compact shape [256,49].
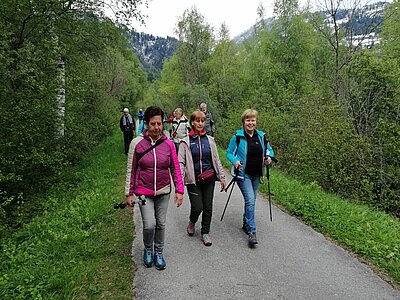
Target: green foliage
[331,112]
[57,255]
[195,44]
[225,77]
[100,75]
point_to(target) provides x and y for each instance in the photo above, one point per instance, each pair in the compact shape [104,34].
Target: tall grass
[80,247]
[372,235]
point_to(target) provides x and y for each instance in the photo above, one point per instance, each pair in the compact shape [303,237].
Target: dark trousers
[201,201]
[176,147]
[128,137]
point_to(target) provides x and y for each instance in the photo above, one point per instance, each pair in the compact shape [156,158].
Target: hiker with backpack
[210,124]
[152,161]
[248,151]
[127,126]
[180,127]
[141,126]
[200,167]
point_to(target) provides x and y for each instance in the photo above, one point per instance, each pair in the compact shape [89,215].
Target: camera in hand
[142,198]
[120,205]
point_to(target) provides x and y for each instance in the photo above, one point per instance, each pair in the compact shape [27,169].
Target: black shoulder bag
[158,142]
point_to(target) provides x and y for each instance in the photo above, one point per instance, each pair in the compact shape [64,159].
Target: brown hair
[152,111]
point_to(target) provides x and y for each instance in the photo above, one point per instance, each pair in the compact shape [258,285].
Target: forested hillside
[66,71]
[359,24]
[151,51]
[330,107]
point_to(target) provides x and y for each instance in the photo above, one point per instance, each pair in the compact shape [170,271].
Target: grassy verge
[372,235]
[80,247]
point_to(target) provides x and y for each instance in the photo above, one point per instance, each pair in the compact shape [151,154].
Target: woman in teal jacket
[248,151]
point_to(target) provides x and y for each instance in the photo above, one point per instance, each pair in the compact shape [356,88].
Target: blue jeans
[249,187]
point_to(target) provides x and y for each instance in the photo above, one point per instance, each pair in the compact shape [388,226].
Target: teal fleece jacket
[237,151]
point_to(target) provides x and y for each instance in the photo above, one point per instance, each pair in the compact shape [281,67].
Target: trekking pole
[233,181]
[269,188]
[269,195]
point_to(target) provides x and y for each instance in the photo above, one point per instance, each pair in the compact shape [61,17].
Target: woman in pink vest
[151,159]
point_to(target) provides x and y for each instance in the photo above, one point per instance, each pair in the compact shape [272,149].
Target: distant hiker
[180,127]
[141,125]
[200,168]
[152,161]
[140,114]
[127,125]
[210,124]
[249,150]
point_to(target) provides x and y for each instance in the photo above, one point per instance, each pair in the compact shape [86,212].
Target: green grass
[372,235]
[80,247]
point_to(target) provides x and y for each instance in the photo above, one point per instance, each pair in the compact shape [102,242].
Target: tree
[35,37]
[195,46]
[225,73]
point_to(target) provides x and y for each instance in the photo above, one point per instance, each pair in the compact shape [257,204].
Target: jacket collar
[147,137]
[195,134]
[240,132]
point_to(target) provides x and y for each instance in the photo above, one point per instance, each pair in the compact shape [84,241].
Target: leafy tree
[388,124]
[100,75]
[225,67]
[195,45]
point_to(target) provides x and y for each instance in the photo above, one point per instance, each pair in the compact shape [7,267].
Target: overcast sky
[238,15]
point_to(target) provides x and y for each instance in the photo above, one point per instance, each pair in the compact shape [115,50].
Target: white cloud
[238,15]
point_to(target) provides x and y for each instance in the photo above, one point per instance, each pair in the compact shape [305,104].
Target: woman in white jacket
[180,127]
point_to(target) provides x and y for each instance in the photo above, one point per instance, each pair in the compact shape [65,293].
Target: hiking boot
[244,228]
[159,260]
[205,237]
[148,258]
[190,229]
[252,239]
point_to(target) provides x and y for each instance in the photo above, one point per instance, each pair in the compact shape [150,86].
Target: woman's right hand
[178,199]
[129,200]
[238,165]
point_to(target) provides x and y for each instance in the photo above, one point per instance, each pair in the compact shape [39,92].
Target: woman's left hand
[178,199]
[267,161]
[223,185]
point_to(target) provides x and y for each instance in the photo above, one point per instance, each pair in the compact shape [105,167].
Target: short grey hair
[178,111]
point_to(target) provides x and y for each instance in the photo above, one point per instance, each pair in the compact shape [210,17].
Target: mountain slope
[362,25]
[151,51]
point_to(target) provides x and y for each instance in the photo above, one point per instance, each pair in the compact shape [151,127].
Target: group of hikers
[190,158]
